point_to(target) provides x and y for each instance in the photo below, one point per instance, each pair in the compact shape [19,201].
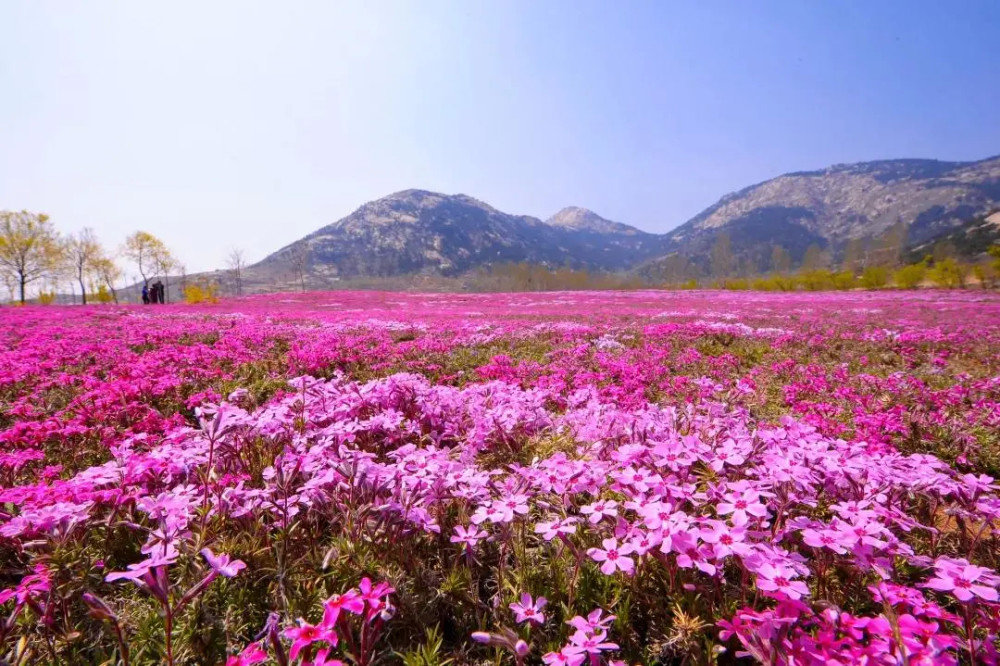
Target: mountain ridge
[417,231]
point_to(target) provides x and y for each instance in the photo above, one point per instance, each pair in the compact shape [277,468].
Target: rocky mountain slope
[843,202]
[421,233]
[417,232]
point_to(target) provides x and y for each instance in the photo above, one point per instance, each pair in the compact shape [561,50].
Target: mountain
[581,219]
[829,207]
[421,232]
[420,235]
[969,240]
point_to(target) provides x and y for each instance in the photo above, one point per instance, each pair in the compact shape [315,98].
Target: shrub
[844,280]
[103,295]
[908,277]
[948,273]
[46,297]
[196,293]
[816,280]
[875,277]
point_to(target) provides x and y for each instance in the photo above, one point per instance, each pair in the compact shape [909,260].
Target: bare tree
[164,263]
[721,257]
[236,264]
[108,273]
[84,252]
[298,260]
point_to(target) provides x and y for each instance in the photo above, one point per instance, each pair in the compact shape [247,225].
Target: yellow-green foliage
[875,277]
[908,277]
[844,280]
[196,293]
[736,284]
[103,295]
[46,297]
[986,274]
[816,280]
[948,273]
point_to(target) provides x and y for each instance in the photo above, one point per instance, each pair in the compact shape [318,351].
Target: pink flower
[470,536]
[725,540]
[508,507]
[965,581]
[350,601]
[742,505]
[778,578]
[598,510]
[831,539]
[528,610]
[552,529]
[306,634]
[596,620]
[583,642]
[564,658]
[321,660]
[221,564]
[613,556]
[252,654]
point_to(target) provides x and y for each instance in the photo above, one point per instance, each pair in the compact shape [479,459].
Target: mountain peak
[584,219]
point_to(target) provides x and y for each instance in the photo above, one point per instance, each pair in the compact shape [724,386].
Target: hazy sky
[217,124]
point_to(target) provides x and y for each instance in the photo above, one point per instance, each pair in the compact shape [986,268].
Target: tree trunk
[83,292]
[22,288]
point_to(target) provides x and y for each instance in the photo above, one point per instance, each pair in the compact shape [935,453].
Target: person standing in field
[145,294]
[158,292]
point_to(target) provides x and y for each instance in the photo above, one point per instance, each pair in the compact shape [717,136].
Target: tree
[298,260]
[948,273]
[84,252]
[30,248]
[813,259]
[909,277]
[781,261]
[163,264]
[875,277]
[107,273]
[890,245]
[854,255]
[236,264]
[722,256]
[147,252]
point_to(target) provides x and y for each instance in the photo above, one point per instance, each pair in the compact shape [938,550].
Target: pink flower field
[561,478]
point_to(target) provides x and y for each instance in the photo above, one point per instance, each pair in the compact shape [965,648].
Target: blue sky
[250,124]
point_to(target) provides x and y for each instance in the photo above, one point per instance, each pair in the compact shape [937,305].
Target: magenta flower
[613,556]
[528,610]
[831,539]
[552,529]
[965,581]
[222,564]
[779,578]
[350,601]
[251,654]
[470,536]
[564,658]
[742,505]
[582,642]
[306,634]
[596,620]
[599,510]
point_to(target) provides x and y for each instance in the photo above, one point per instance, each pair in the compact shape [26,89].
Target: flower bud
[521,648]
[481,637]
[98,608]
[388,612]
